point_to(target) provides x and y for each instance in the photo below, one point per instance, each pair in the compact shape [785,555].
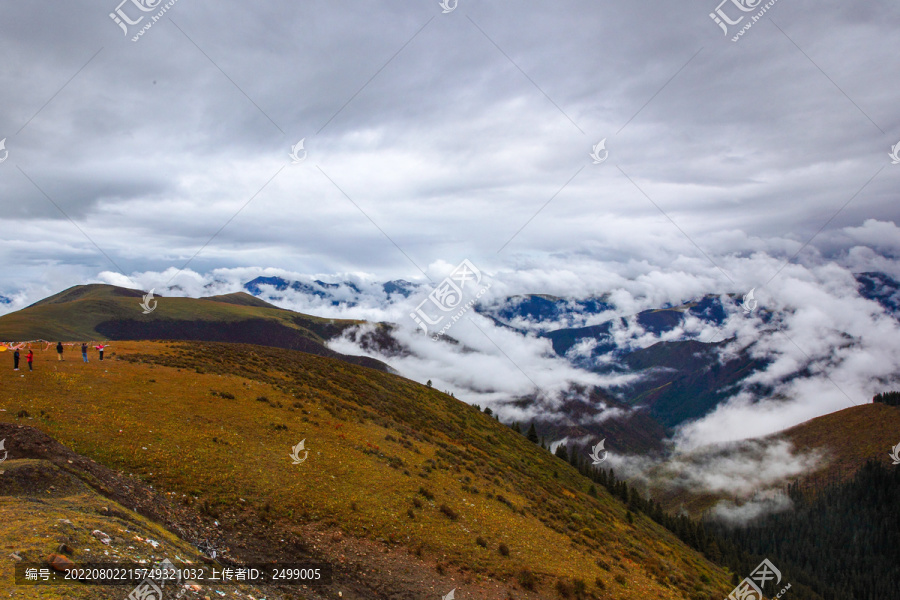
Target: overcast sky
[437,137]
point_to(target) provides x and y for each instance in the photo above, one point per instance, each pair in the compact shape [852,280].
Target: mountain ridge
[104,312]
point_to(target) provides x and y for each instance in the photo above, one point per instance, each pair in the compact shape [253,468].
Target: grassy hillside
[104,312]
[52,501]
[851,437]
[846,439]
[408,492]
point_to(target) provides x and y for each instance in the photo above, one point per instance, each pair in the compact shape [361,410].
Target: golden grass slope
[850,437]
[389,460]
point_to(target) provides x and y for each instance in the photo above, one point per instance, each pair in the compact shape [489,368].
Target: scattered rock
[64,549]
[102,536]
[15,557]
[60,563]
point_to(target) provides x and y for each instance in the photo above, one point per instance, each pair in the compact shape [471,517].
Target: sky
[433,137]
[574,148]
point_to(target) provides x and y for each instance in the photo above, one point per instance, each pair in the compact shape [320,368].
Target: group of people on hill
[29,358]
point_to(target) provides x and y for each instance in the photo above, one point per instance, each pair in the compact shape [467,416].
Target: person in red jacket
[30,359]
[101,347]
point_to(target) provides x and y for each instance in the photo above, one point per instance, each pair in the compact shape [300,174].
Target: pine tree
[532,434]
[562,452]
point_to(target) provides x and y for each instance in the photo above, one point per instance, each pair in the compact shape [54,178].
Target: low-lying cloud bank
[751,474]
[760,505]
[826,346]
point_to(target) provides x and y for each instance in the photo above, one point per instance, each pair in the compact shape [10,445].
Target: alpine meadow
[449,300]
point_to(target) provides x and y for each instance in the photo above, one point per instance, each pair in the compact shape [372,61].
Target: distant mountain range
[345,292]
[682,379]
[882,288]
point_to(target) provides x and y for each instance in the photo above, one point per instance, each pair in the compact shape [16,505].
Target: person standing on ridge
[84,352]
[30,359]
[59,350]
[16,360]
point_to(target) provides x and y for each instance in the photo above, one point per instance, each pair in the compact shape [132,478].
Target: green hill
[105,312]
